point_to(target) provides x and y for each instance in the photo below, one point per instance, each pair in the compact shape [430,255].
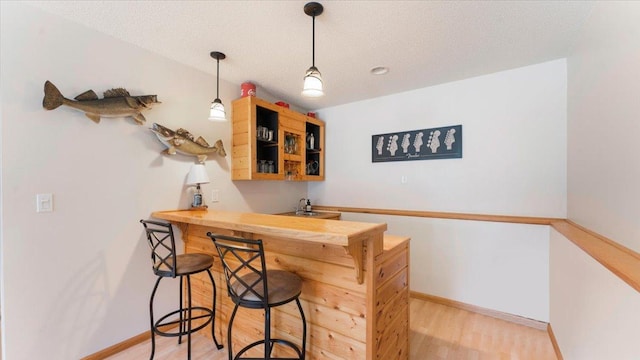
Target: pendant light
[312,79]
[217,109]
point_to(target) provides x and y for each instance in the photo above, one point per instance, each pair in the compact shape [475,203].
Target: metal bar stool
[251,285]
[166,264]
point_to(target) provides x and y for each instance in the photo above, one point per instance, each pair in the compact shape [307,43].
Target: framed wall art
[426,144]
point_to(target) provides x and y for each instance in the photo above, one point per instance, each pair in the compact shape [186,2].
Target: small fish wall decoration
[116,103]
[183,142]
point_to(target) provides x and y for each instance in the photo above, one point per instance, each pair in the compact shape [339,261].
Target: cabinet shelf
[293,157]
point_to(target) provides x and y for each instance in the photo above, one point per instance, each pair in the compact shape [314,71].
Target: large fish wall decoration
[183,142]
[116,103]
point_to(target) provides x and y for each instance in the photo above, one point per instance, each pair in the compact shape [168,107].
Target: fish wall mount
[115,103]
[119,103]
[181,141]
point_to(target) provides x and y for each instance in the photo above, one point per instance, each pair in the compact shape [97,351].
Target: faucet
[301,206]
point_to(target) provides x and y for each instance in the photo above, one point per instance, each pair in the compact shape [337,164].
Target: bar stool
[251,285]
[166,264]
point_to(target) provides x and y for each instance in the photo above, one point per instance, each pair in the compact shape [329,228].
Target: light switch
[44,202]
[404,180]
[215,195]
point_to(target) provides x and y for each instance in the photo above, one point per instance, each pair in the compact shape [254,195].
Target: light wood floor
[437,332]
[442,332]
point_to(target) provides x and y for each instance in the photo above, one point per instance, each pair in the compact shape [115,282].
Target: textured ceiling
[423,43]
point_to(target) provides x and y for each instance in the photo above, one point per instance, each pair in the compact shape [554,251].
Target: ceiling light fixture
[216,113]
[312,79]
[380,70]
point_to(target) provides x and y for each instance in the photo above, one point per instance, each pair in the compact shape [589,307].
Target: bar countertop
[333,232]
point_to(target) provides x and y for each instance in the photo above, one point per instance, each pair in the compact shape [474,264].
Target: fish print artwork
[116,103]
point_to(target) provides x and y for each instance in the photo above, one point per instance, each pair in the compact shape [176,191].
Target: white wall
[604,124]
[514,146]
[593,313]
[77,280]
[497,266]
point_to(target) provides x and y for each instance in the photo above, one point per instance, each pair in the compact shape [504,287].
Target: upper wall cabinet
[271,142]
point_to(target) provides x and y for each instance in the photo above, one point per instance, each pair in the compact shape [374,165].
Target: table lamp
[197,175]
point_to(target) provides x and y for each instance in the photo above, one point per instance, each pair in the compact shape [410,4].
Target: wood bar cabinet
[355,281]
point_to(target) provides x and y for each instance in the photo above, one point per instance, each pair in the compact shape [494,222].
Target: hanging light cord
[313,41]
[218,77]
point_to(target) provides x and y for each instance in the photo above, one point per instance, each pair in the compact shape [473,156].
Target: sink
[310,213]
[302,213]
[314,214]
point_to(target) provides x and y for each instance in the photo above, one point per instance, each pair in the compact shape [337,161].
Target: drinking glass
[287,147]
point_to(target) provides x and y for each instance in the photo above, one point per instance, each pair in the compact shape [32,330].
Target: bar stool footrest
[273,342]
[208,314]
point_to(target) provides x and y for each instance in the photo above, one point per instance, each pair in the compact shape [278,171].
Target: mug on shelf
[263,133]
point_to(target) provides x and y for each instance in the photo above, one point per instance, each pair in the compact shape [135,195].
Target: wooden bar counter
[352,313]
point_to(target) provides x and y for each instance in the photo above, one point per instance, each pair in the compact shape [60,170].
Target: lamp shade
[197,175]
[312,83]
[217,111]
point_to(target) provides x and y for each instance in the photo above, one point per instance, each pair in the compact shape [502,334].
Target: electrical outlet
[215,195]
[44,203]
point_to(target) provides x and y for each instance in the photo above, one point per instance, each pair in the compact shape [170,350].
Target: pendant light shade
[313,86]
[313,83]
[217,113]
